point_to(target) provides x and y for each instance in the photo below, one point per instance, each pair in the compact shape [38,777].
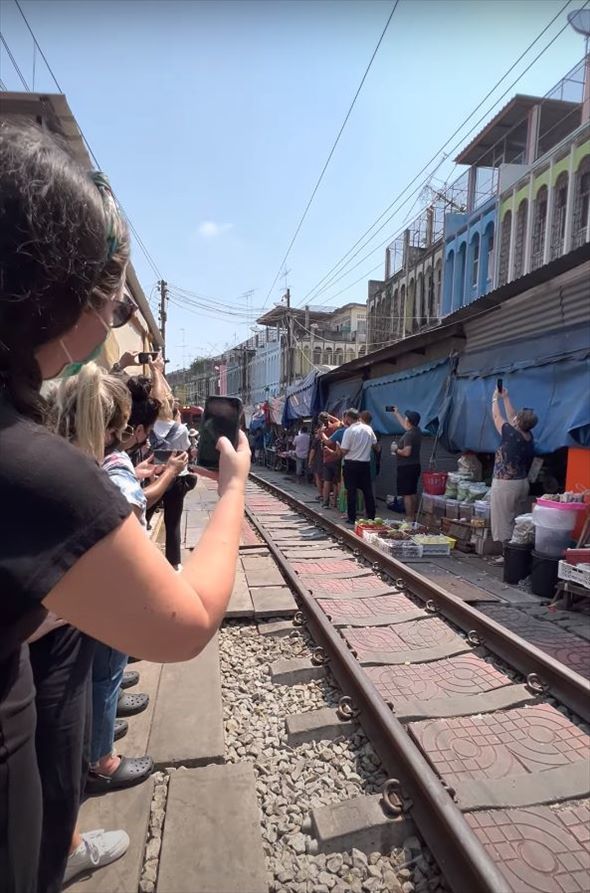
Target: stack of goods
[554,518]
[435,544]
[518,552]
[575,567]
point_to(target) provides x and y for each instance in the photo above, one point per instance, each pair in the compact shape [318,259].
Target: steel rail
[569,687]
[460,855]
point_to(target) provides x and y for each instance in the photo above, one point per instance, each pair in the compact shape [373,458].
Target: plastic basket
[442,546]
[434,482]
[402,549]
[574,573]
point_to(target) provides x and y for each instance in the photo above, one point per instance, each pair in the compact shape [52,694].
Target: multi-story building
[307,338]
[523,201]
[534,154]
[199,381]
[266,366]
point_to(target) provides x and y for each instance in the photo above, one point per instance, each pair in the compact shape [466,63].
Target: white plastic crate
[579,574]
[402,548]
[442,546]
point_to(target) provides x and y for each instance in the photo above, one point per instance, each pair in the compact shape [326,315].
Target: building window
[401,311]
[539,228]
[582,203]
[449,279]
[505,248]
[362,351]
[475,262]
[460,267]
[559,212]
[437,288]
[420,305]
[430,294]
[349,355]
[488,258]
[317,355]
[520,239]
[328,356]
[338,357]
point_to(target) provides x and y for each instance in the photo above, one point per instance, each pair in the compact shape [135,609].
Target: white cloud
[208,229]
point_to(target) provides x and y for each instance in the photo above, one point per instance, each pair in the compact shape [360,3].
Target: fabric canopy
[338,395]
[302,398]
[557,391]
[423,389]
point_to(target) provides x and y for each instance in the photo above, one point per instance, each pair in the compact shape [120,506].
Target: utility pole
[163,286]
[289,338]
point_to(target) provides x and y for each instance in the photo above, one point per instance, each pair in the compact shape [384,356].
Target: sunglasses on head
[123,310]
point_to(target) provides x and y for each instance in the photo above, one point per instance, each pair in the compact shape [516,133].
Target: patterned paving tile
[542,848]
[564,646]
[513,742]
[464,674]
[367,607]
[331,566]
[355,584]
[416,635]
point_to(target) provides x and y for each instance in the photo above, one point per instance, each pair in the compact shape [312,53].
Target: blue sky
[214,119]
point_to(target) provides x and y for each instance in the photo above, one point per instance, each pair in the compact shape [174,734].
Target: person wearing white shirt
[357,444]
[301,446]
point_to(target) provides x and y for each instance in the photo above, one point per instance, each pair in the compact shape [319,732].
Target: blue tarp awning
[558,391]
[302,399]
[422,389]
[339,395]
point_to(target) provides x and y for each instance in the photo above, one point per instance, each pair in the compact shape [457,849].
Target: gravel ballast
[292,781]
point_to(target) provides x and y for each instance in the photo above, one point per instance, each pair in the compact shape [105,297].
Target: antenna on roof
[579,19]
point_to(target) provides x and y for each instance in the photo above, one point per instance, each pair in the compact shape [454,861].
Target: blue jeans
[301,466]
[107,672]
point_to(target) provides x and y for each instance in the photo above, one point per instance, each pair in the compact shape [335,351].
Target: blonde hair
[84,407]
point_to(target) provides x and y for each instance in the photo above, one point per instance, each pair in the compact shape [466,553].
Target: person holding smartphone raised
[74,545]
[407,453]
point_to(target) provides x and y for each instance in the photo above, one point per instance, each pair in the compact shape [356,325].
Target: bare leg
[76,840]
[410,504]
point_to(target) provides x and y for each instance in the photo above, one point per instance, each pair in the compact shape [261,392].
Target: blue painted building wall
[468,269]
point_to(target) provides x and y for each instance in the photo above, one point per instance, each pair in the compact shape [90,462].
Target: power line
[138,238]
[340,263]
[42,54]
[331,153]
[14,62]
[389,239]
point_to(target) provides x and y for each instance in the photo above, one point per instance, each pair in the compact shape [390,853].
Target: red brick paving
[513,742]
[541,848]
[465,674]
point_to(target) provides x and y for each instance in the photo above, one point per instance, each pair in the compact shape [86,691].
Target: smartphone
[143,358]
[390,409]
[221,418]
[500,385]
[162,456]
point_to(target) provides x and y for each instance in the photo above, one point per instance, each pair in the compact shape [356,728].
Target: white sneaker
[98,848]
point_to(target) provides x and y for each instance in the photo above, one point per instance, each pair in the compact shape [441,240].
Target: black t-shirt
[411,438]
[55,504]
[515,454]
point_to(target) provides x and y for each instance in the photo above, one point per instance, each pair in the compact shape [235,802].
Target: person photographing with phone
[407,453]
[514,457]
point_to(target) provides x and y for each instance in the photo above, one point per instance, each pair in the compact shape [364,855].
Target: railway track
[471,721]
